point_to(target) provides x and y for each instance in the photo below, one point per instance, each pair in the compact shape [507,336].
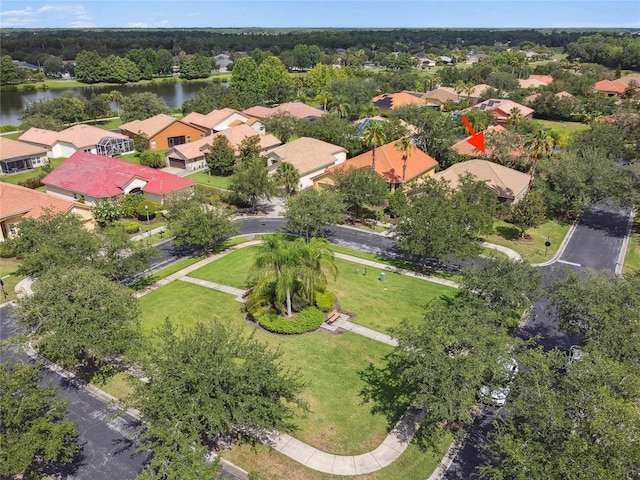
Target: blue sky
[317,13]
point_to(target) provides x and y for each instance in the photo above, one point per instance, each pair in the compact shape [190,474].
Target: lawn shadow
[508,232]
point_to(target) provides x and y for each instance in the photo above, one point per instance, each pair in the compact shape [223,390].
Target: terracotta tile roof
[502,107]
[564,94]
[531,83]
[80,136]
[530,99]
[547,79]
[17,200]
[151,126]
[506,182]
[235,135]
[40,136]
[609,86]
[479,89]
[13,148]
[297,109]
[441,94]
[99,176]
[212,118]
[395,100]
[463,147]
[631,77]
[389,162]
[307,154]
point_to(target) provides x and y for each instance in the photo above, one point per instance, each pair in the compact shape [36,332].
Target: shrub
[7,249]
[33,182]
[152,159]
[308,320]
[130,203]
[325,300]
[106,212]
[132,227]
[151,209]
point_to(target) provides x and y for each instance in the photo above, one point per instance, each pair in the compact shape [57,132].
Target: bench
[332,316]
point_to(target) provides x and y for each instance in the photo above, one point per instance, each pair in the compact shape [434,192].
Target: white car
[575,354]
[498,395]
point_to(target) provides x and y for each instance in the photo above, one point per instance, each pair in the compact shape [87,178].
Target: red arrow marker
[477,139]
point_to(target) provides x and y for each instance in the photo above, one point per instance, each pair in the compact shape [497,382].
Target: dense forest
[29,44]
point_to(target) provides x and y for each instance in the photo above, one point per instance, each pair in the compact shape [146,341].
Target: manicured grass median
[338,422]
[632,258]
[8,266]
[532,250]
[371,302]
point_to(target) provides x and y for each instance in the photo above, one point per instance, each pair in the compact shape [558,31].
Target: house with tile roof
[613,88]
[507,183]
[531,98]
[218,120]
[193,156]
[18,202]
[389,165]
[501,107]
[632,77]
[389,101]
[442,95]
[163,131]
[80,137]
[18,156]
[311,157]
[92,178]
[299,110]
[463,147]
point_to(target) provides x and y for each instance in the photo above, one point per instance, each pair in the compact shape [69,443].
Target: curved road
[109,448]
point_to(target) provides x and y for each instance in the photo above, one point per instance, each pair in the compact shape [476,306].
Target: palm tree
[325,98]
[317,260]
[539,145]
[340,105]
[374,136]
[287,176]
[514,117]
[430,81]
[116,96]
[404,145]
[368,110]
[459,87]
[276,265]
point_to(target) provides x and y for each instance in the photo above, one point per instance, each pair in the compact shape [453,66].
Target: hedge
[308,320]
[325,300]
[133,227]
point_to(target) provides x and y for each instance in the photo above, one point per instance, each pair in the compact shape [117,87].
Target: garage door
[177,163]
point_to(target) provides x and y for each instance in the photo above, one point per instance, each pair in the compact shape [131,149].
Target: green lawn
[533,250]
[566,128]
[371,302]
[338,421]
[212,180]
[22,176]
[109,124]
[11,136]
[130,157]
[8,266]
[632,259]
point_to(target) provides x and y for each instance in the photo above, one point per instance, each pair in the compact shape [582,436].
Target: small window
[153,144]
[13,230]
[188,139]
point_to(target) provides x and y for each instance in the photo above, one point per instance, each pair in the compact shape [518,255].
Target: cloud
[138,25]
[67,16]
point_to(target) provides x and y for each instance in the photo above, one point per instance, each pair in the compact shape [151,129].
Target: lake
[174,94]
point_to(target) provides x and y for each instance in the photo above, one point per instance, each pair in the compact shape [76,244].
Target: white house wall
[63,150]
[225,123]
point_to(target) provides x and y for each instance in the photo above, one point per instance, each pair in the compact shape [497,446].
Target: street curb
[446,461]
[563,245]
[625,243]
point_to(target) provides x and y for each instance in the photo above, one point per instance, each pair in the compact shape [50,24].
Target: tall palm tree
[325,98]
[430,81]
[317,260]
[459,88]
[287,176]
[368,110]
[374,136]
[277,265]
[539,145]
[515,116]
[116,96]
[340,106]
[404,145]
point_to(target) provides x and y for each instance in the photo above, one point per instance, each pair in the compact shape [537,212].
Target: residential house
[389,101]
[531,98]
[18,202]
[91,178]
[474,58]
[363,123]
[299,110]
[627,79]
[502,108]
[508,184]
[613,88]
[311,157]
[86,138]
[163,131]
[219,120]
[530,83]
[442,95]
[193,156]
[389,165]
[18,156]
[445,59]
[223,61]
[463,147]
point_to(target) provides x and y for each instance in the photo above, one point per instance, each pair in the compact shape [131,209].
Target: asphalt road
[595,244]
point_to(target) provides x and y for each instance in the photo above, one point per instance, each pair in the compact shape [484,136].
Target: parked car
[575,354]
[498,395]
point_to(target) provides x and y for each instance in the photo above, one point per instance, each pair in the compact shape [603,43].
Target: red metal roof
[99,176]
